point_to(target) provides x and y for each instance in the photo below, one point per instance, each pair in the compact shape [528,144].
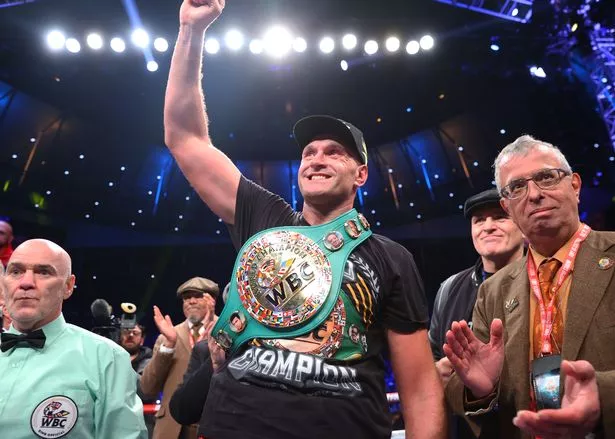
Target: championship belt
[286,280]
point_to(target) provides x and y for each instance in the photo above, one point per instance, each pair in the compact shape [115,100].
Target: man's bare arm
[210,172]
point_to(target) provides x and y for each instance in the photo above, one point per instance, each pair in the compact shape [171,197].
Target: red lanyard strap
[547,312]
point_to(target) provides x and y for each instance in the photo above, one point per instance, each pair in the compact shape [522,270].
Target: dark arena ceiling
[82,158]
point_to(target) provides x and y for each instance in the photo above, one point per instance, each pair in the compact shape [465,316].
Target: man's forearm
[425,417]
[184,109]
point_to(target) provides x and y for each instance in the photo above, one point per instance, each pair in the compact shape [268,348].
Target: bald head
[6,234]
[38,279]
[49,250]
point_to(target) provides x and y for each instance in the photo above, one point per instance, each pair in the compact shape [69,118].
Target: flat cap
[200,285]
[483,199]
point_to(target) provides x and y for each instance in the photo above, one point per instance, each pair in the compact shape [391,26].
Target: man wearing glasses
[172,351]
[132,341]
[547,316]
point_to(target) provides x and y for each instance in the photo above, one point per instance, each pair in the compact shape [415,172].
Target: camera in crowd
[109,325]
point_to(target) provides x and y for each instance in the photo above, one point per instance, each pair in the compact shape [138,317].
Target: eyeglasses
[544,179]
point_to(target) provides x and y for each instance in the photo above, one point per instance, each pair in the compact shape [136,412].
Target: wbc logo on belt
[283,278]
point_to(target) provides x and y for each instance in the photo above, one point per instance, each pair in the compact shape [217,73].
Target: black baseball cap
[483,199]
[310,127]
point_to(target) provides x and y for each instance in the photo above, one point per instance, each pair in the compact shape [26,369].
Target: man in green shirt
[59,380]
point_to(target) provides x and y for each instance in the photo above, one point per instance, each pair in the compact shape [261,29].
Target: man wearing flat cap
[172,351]
[498,241]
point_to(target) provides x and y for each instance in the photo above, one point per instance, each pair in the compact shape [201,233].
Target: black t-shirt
[272,392]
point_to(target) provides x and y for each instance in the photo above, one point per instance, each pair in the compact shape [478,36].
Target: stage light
[574,27]
[399,185]
[371,47]
[502,131]
[212,46]
[604,80]
[122,168]
[87,216]
[515,12]
[187,198]
[326,45]
[95,41]
[48,192]
[158,177]
[14,156]
[152,66]
[176,229]
[436,176]
[73,46]
[460,148]
[349,41]
[596,146]
[538,72]
[140,38]
[161,44]
[140,211]
[96,203]
[411,204]
[299,45]
[392,44]
[278,41]
[117,45]
[460,207]
[426,42]
[413,47]
[475,164]
[81,156]
[234,39]
[180,217]
[451,195]
[256,47]
[32,139]
[365,193]
[344,65]
[495,47]
[423,161]
[55,40]
[218,232]
[373,212]
[390,170]
[110,184]
[419,216]
[408,109]
[66,172]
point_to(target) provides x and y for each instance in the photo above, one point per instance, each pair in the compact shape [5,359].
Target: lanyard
[546,312]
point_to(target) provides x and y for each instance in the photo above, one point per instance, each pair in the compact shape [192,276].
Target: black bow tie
[35,339]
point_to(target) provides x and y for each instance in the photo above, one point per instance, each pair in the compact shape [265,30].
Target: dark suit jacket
[588,335]
[187,403]
[164,373]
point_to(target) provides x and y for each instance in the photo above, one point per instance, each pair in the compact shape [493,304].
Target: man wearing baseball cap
[303,283]
[498,242]
[172,351]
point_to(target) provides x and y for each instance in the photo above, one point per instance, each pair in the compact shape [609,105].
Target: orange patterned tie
[546,274]
[195,331]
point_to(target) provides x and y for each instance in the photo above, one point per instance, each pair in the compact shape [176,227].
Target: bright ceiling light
[152,66]
[117,45]
[140,38]
[326,45]
[234,39]
[55,40]
[344,65]
[349,41]
[72,45]
[278,41]
[299,45]
[256,46]
[371,47]
[392,44]
[413,47]
[95,41]
[161,44]
[426,42]
[212,46]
